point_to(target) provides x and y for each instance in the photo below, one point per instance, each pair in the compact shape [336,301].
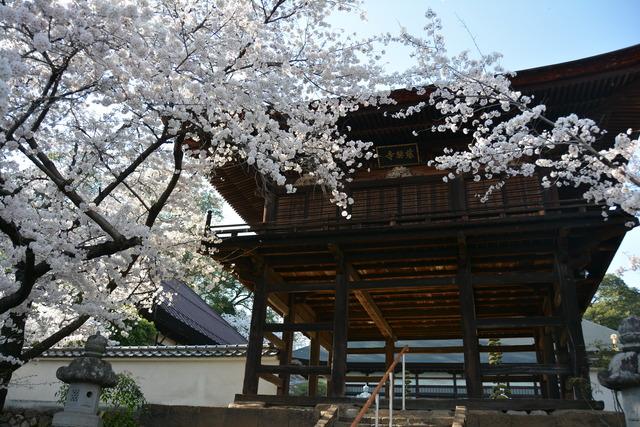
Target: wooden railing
[376,390]
[338,224]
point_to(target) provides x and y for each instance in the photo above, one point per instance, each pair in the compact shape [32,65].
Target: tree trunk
[12,348]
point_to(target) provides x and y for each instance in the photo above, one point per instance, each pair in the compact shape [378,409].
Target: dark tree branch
[49,168]
[11,230]
[44,345]
[132,167]
[157,207]
[26,276]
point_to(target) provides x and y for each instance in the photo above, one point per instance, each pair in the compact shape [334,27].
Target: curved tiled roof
[239,350]
[188,319]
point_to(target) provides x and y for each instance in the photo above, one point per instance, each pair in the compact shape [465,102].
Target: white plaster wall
[167,381]
[601,393]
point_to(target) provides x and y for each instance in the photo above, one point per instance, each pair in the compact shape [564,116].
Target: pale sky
[528,33]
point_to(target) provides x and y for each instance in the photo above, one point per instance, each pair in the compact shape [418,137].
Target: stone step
[435,418]
[385,424]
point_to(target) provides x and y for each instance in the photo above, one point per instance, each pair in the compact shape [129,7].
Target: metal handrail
[376,390]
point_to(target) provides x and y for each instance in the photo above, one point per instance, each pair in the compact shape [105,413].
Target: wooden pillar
[549,358]
[329,363]
[389,348]
[340,326]
[537,343]
[572,318]
[256,336]
[284,357]
[563,359]
[270,207]
[457,195]
[416,378]
[469,329]
[455,385]
[314,360]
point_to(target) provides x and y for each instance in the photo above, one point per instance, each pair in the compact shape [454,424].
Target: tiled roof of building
[188,319]
[239,350]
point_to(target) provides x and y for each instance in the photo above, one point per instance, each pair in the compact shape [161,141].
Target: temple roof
[605,88]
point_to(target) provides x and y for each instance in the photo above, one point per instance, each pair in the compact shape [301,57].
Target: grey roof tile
[237,350]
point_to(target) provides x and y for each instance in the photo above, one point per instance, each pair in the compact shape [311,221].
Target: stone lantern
[86,375]
[623,374]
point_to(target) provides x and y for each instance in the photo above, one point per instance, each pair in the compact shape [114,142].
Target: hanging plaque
[398,155]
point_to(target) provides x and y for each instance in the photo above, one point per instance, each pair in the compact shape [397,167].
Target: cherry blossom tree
[113,115]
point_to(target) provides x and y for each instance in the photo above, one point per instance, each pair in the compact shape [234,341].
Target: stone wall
[191,416]
[17,417]
[558,418]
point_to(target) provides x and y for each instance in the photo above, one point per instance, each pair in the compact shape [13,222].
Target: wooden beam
[518,322]
[514,226]
[294,369]
[256,337]
[369,305]
[469,328]
[273,379]
[525,368]
[427,282]
[362,284]
[299,327]
[274,339]
[507,348]
[363,379]
[365,299]
[301,287]
[363,350]
[519,278]
[445,349]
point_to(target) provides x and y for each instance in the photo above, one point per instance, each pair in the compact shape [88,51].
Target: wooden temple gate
[425,259]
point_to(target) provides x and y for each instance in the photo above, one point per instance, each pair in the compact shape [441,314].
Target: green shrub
[302,389]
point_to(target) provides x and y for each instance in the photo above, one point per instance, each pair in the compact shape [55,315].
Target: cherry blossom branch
[122,176]
[178,155]
[40,347]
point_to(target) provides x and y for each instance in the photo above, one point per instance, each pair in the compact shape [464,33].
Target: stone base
[631,405]
[560,418]
[76,419]
[194,416]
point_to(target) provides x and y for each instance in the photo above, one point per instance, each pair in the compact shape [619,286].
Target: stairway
[436,418]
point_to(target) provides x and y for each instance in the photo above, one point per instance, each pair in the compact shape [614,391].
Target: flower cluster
[511,134]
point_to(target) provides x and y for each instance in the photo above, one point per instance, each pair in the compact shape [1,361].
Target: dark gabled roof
[187,319]
[162,351]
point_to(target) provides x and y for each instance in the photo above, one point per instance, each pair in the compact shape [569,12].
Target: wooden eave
[240,186]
